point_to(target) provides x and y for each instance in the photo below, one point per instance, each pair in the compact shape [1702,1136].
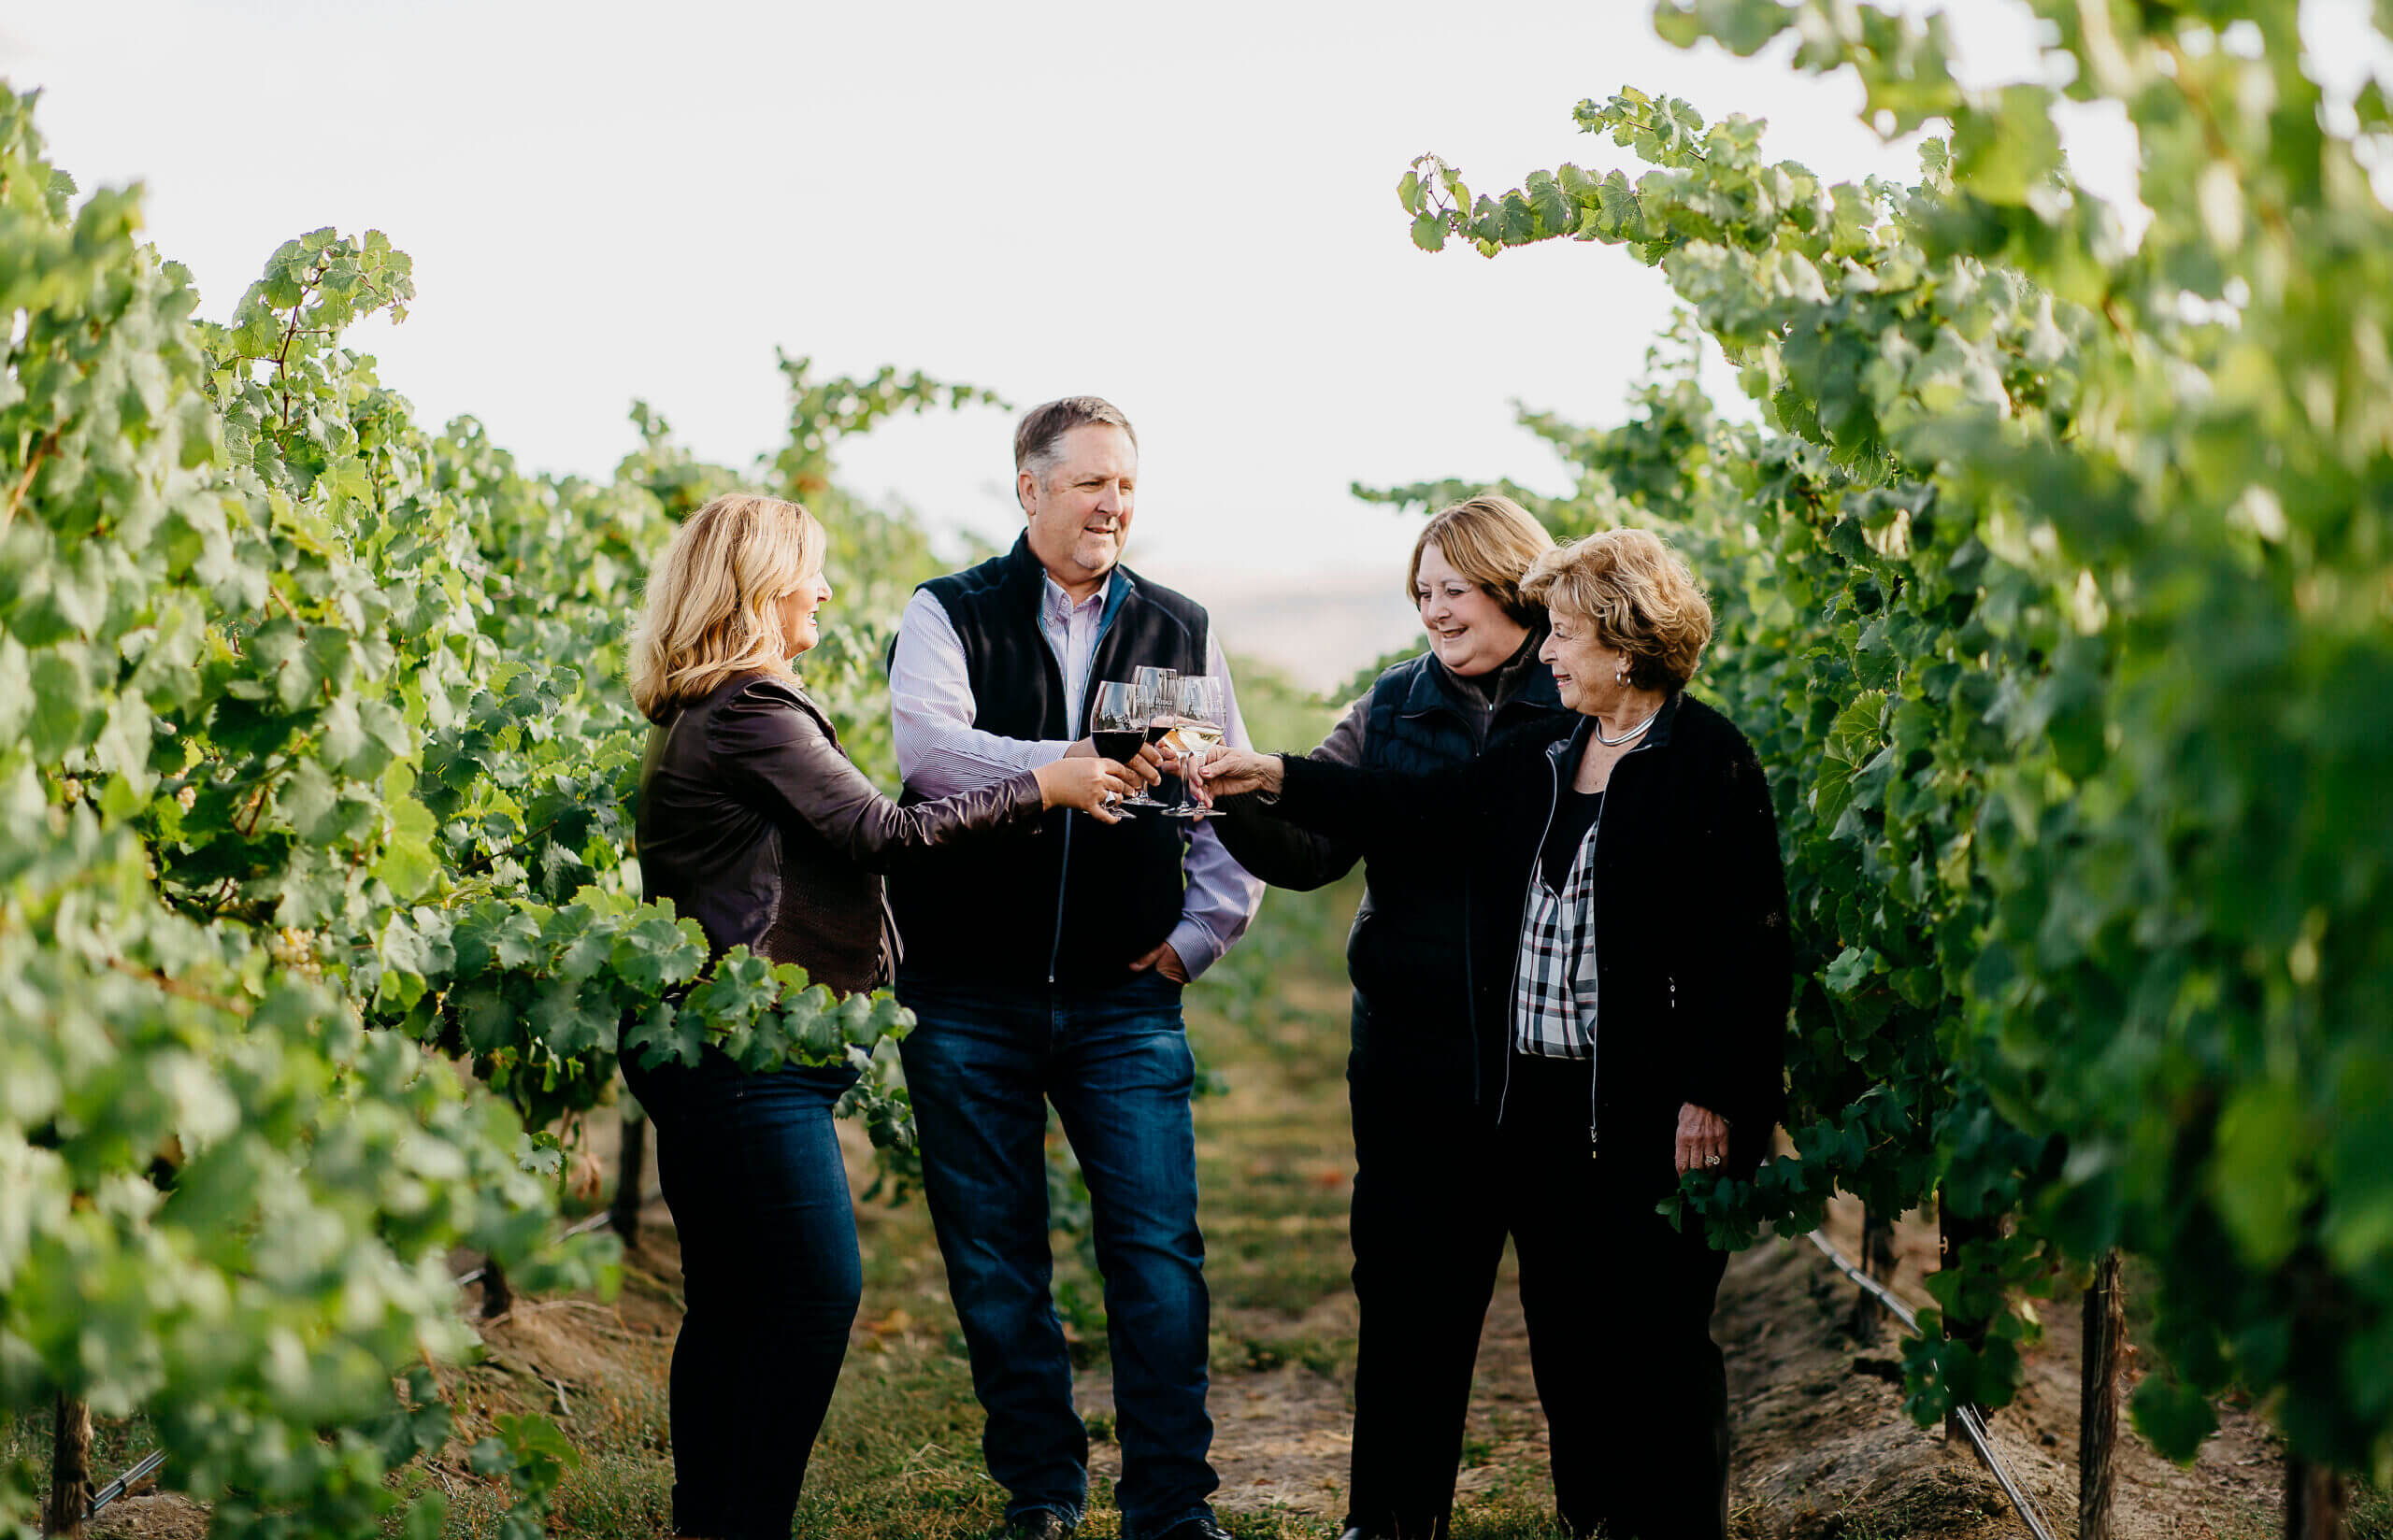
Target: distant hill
[1318,627]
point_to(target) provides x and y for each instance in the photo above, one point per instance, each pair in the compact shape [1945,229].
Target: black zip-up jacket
[754,822]
[1693,961]
[1415,1021]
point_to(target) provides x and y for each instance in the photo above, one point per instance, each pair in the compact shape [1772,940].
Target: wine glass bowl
[1196,730]
[1156,691]
[1118,727]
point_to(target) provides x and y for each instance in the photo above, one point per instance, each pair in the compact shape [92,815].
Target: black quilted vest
[1074,903]
[1406,955]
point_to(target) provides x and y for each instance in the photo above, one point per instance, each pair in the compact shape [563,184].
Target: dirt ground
[1822,1441]
[1822,1448]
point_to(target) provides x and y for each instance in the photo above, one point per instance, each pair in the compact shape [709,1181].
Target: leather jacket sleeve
[778,757]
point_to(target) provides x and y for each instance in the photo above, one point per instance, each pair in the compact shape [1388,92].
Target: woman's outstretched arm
[1277,851]
[778,756]
[1365,808]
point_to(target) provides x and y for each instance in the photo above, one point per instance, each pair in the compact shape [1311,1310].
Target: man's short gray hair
[1038,437]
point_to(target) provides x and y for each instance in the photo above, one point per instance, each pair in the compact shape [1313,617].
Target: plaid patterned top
[1554,987]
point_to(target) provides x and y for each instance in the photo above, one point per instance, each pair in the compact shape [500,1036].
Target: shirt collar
[1054,601]
[1059,603]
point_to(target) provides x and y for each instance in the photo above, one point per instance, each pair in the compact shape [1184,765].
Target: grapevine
[2056,586]
[318,896]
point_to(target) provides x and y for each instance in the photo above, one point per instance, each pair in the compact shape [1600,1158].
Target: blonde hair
[1641,598]
[713,606]
[1491,540]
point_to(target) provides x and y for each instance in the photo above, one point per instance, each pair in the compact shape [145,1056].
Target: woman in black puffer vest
[1426,1060]
[1627,936]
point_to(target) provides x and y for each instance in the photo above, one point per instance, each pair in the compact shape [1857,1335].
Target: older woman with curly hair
[1640,956]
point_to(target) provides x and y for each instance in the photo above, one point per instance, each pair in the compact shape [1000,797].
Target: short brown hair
[1491,540]
[1043,427]
[1642,600]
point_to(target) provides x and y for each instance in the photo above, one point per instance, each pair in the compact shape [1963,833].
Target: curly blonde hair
[1637,594]
[713,606]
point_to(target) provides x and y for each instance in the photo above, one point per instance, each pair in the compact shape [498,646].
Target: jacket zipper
[1063,870]
[1512,995]
[1063,878]
[1594,1040]
[1470,974]
[1470,1005]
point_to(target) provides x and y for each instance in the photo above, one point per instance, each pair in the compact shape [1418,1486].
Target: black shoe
[1038,1524]
[1203,1527]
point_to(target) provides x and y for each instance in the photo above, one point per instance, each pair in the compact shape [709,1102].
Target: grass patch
[2373,1515]
[116,1445]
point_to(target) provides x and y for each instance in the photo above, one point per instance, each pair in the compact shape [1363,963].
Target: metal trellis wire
[1971,1422]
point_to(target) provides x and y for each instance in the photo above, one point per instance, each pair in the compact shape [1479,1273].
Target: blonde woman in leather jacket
[754,821]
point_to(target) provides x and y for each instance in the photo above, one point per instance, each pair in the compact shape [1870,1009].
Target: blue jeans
[981,1066]
[770,1278]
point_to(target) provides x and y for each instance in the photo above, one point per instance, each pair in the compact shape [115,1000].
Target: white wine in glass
[1158,696]
[1197,733]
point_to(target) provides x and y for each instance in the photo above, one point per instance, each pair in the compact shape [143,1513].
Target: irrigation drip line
[1885,1295]
[156,1457]
[1967,1416]
[115,1488]
[580,1227]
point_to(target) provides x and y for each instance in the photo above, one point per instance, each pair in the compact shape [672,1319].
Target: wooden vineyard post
[497,1298]
[1953,1233]
[624,1216]
[1877,1260]
[2097,1420]
[2318,1504]
[70,1471]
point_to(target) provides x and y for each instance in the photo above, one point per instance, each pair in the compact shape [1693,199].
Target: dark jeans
[981,1065]
[1618,1307]
[770,1277]
[1428,1232]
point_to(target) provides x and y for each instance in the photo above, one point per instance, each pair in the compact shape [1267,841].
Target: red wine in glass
[1117,729]
[1120,746]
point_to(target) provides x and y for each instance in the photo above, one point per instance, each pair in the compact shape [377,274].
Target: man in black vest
[1049,968]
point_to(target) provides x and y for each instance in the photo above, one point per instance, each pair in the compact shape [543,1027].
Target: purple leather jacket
[754,822]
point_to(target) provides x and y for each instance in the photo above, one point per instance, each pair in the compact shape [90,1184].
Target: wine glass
[1118,727]
[1197,732]
[1158,691]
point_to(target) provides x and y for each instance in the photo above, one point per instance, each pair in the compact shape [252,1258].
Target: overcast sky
[1189,210]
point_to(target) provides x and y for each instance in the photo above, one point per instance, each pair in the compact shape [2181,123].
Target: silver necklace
[1624,738]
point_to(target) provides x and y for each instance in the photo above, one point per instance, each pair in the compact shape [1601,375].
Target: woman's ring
[1711,1159]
